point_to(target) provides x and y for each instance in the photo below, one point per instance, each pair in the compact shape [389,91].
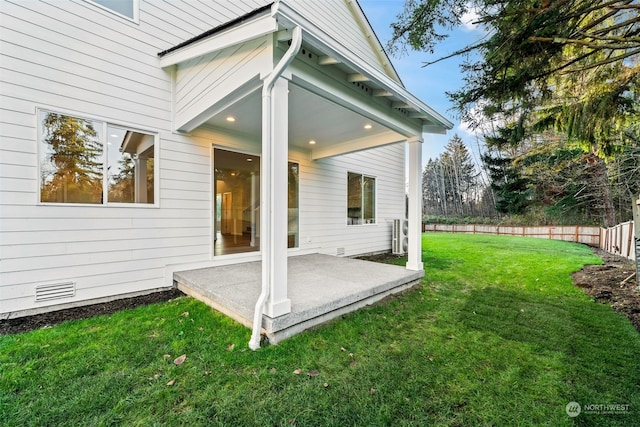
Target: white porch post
[273,215]
[414,255]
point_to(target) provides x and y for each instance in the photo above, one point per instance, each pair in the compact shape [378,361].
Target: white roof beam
[327,60]
[381,92]
[352,78]
[360,144]
[402,104]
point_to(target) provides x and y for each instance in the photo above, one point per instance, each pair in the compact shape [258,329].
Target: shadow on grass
[595,344]
[436,262]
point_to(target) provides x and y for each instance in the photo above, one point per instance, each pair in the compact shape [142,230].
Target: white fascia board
[244,32]
[315,37]
[373,38]
[434,129]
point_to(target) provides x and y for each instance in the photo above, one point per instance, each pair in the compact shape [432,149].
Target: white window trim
[375,195]
[105,123]
[136,11]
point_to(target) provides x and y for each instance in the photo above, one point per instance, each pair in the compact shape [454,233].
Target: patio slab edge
[276,336]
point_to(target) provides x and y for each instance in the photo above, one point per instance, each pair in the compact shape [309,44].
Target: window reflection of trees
[72,162]
[72,166]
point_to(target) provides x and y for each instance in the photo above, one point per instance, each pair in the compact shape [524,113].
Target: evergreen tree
[460,173]
[511,188]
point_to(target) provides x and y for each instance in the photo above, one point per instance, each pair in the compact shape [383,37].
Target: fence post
[630,239]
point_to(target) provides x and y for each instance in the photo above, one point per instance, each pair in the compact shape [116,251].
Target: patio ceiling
[311,118]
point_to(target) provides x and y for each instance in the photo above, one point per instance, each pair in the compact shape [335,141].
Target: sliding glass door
[237,202]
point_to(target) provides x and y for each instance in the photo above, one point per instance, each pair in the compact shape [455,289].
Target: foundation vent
[55,291]
[340,252]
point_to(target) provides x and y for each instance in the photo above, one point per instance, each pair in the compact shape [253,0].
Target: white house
[141,137]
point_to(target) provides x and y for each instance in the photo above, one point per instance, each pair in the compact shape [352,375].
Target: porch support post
[273,233]
[414,252]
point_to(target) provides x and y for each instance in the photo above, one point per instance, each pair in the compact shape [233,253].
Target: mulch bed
[603,282]
[46,320]
[606,284]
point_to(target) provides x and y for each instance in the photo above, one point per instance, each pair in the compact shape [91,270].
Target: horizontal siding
[336,19]
[205,81]
[76,58]
[323,199]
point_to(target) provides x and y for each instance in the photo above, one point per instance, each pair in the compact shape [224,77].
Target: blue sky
[430,83]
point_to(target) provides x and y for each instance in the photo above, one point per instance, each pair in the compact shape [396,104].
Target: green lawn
[496,335]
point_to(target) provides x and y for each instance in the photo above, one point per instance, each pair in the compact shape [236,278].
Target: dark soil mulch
[606,283]
[29,323]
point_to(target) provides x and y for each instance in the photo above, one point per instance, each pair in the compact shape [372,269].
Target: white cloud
[465,128]
[470,19]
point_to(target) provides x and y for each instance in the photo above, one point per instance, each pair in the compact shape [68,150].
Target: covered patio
[277,82]
[321,288]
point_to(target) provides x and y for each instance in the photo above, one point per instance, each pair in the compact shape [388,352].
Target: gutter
[267,90]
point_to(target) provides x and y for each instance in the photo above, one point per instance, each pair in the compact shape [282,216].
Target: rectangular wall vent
[340,252]
[55,291]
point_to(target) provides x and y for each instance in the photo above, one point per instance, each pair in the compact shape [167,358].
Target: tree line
[542,183]
[552,87]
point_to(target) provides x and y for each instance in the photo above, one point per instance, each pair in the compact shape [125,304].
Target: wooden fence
[617,240]
[574,233]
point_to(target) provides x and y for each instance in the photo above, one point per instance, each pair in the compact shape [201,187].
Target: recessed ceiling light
[249,159]
[312,142]
[231,119]
[368,126]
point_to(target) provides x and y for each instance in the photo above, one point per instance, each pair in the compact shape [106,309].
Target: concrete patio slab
[321,287]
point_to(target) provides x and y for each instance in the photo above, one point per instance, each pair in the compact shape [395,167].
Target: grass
[496,335]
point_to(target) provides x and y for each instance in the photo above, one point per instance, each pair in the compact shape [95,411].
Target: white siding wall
[77,58]
[336,19]
[205,81]
[323,202]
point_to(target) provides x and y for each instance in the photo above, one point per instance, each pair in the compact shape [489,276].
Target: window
[93,162]
[126,8]
[361,199]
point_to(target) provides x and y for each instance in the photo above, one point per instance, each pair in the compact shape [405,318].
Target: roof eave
[275,16]
[433,122]
[257,23]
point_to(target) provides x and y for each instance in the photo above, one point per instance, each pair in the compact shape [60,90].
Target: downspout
[267,89]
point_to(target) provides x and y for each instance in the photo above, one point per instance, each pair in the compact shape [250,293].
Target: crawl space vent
[55,291]
[340,252]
